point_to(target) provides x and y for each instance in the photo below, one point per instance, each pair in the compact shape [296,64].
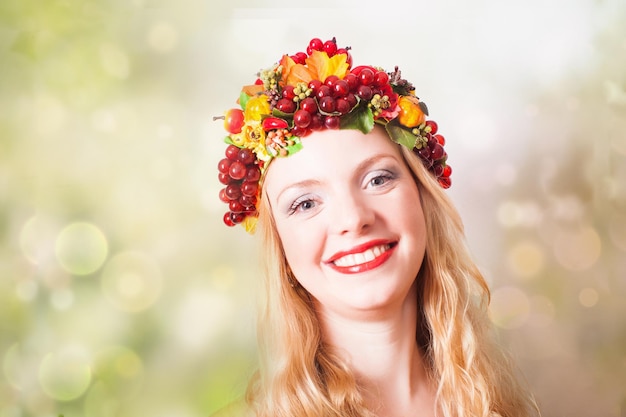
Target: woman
[373,306]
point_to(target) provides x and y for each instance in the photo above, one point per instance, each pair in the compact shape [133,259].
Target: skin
[349,217]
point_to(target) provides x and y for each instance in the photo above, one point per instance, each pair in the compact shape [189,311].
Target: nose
[352,213]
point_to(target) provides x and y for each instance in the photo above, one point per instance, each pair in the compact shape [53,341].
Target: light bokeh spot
[510,307]
[577,250]
[65,375]
[588,297]
[526,259]
[131,281]
[81,248]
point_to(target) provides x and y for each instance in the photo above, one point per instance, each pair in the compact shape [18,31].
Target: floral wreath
[312,91]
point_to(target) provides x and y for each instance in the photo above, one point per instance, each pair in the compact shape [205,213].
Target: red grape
[249,188]
[365,92]
[331,122]
[224,164]
[433,126]
[286,105]
[224,178]
[366,76]
[253,173]
[309,104]
[246,156]
[327,104]
[302,118]
[227,219]
[237,170]
[232,191]
[231,152]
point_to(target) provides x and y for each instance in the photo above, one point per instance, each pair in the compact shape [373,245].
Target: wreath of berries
[314,90]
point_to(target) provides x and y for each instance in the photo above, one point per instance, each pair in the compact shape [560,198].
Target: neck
[382,351]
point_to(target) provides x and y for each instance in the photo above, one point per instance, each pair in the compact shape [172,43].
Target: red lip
[367,266]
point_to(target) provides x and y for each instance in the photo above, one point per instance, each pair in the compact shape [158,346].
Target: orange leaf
[253,90]
[294,73]
[321,66]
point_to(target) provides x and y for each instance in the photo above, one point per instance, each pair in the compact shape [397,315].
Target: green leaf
[361,118]
[243,100]
[400,135]
[294,148]
[228,140]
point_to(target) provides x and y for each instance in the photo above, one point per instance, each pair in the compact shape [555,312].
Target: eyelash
[385,175]
[297,205]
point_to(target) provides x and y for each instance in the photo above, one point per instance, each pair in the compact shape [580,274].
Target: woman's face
[349,217]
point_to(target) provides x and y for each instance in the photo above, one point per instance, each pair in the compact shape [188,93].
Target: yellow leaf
[321,66]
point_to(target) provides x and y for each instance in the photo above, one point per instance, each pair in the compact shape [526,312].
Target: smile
[362,258]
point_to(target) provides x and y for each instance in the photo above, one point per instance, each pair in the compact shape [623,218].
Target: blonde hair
[300,376]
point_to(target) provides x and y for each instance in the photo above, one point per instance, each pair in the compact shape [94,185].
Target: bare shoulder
[237,408]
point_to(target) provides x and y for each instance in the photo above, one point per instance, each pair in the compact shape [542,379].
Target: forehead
[328,153]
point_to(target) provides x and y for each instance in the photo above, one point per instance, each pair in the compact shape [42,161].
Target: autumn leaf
[321,66]
[294,73]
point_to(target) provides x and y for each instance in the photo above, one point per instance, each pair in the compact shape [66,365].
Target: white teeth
[363,257]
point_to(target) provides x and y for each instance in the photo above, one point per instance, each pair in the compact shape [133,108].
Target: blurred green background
[123,294]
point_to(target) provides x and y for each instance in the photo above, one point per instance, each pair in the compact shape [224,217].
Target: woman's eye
[301,204]
[379,179]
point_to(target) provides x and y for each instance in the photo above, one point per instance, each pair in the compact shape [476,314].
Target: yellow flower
[256,107]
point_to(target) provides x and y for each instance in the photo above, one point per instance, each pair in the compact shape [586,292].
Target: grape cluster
[240,174]
[321,103]
[429,147]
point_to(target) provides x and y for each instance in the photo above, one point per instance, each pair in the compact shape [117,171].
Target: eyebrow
[360,167]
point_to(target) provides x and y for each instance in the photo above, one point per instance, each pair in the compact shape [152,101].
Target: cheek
[303,248]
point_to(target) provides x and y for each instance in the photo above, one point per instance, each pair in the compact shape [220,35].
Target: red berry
[223,165]
[232,191]
[288,92]
[249,188]
[445,182]
[253,173]
[315,44]
[235,206]
[327,104]
[366,76]
[300,58]
[330,47]
[227,219]
[365,92]
[224,178]
[286,105]
[352,80]
[440,139]
[381,78]
[447,171]
[331,80]
[237,217]
[309,104]
[424,153]
[223,196]
[331,122]
[323,91]
[341,88]
[351,99]
[246,156]
[301,131]
[247,200]
[237,170]
[315,84]
[231,152]
[438,170]
[302,119]
[433,126]
[343,105]
[437,152]
[317,122]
